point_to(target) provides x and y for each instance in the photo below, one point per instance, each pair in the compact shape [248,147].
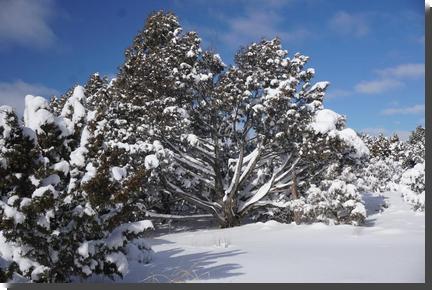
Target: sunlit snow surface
[389,248]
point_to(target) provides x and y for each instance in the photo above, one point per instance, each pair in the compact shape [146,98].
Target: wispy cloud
[377,86]
[26,22]
[349,24]
[412,110]
[13,93]
[408,70]
[391,78]
[403,134]
[374,131]
[255,19]
[337,93]
[258,23]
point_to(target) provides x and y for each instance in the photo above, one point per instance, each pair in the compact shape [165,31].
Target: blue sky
[372,52]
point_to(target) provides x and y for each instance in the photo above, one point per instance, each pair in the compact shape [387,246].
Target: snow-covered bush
[56,230]
[380,174]
[334,199]
[412,186]
[396,165]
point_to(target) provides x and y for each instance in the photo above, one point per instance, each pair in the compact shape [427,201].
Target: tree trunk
[231,219]
[294,190]
[295,195]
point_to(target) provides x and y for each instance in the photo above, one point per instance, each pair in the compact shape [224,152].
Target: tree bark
[231,219]
[294,190]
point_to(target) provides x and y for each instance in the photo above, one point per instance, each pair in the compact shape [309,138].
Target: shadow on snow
[171,265]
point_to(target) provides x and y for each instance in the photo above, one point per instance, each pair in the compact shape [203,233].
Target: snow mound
[151,162]
[37,114]
[73,107]
[412,186]
[329,122]
[325,121]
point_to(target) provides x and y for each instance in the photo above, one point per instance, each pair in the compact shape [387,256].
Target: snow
[73,105]
[38,271]
[42,190]
[12,213]
[4,112]
[319,85]
[44,219]
[85,249]
[351,138]
[390,248]
[116,238]
[151,162]
[219,59]
[77,157]
[118,173]
[414,177]
[62,166]
[85,135]
[190,53]
[192,139]
[90,173]
[53,179]
[257,196]
[11,252]
[120,260]
[325,121]
[36,114]
[11,200]
[174,110]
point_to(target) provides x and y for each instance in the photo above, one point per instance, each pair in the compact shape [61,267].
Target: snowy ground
[390,248]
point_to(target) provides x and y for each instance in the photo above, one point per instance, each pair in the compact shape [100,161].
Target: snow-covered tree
[396,165]
[238,139]
[60,228]
[415,148]
[412,182]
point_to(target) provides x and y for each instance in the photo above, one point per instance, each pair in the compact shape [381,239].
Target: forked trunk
[231,219]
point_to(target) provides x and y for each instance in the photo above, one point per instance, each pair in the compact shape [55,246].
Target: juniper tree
[156,84]
[56,224]
[415,148]
[237,138]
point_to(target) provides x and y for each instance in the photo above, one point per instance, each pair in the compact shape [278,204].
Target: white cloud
[408,70]
[337,93]
[403,135]
[259,22]
[377,86]
[25,22]
[391,78]
[349,24]
[374,131]
[12,94]
[416,109]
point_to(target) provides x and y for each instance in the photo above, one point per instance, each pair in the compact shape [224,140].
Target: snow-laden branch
[177,217]
[234,182]
[209,182]
[265,188]
[194,163]
[208,206]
